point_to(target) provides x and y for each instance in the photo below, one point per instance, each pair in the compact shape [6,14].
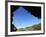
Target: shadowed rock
[13,28]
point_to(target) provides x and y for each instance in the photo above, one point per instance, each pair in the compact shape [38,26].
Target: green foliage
[31,28]
[34,27]
[21,29]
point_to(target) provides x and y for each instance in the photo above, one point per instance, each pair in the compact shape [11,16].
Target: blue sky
[22,18]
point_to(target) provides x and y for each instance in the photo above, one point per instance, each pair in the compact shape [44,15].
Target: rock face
[13,28]
[36,10]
